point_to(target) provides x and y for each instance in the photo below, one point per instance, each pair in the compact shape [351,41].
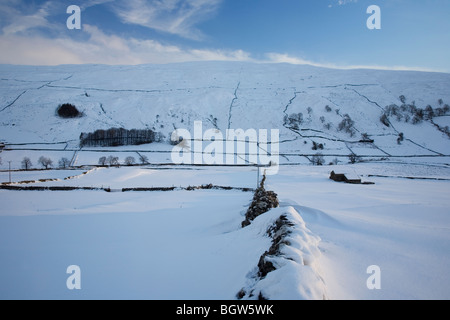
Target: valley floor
[190,245]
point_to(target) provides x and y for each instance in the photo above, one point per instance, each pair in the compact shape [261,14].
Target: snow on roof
[352,176]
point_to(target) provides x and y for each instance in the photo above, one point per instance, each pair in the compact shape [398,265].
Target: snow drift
[289,270]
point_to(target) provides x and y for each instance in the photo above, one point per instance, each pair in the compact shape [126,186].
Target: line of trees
[129,161]
[115,137]
[64,163]
[319,160]
[45,162]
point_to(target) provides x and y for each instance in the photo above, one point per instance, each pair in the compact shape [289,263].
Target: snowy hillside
[151,229]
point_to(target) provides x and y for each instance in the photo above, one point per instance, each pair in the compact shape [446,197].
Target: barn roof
[351,176]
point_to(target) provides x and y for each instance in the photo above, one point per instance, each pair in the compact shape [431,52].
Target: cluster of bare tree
[115,162]
[319,160]
[409,113]
[293,121]
[111,161]
[68,111]
[347,125]
[45,163]
[63,163]
[118,137]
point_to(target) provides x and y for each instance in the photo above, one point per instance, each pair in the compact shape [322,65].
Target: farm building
[345,177]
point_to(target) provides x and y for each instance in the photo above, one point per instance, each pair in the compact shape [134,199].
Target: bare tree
[318,159]
[353,158]
[317,146]
[102,161]
[45,162]
[26,163]
[446,109]
[113,161]
[347,125]
[384,120]
[447,131]
[129,161]
[143,159]
[64,163]
[401,138]
[429,113]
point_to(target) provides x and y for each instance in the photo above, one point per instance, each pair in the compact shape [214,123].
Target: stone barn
[345,177]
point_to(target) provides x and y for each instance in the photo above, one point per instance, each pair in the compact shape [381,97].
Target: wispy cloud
[178,17]
[15,21]
[20,17]
[341,2]
[28,35]
[101,48]
[93,3]
[22,40]
[274,57]
[286,58]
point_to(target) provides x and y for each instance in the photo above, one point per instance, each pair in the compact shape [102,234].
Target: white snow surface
[297,275]
[189,244]
[398,224]
[157,246]
[238,95]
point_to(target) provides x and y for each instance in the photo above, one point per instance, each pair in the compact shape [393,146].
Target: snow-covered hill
[308,104]
[156,234]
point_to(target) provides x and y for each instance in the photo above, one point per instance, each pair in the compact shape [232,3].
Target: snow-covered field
[189,244]
[400,225]
[128,246]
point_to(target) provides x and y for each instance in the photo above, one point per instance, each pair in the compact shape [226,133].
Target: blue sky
[415,34]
